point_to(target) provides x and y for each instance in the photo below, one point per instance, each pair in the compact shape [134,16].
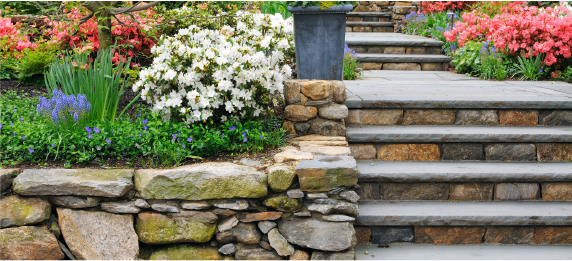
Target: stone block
[292,155]
[415,50]
[316,234]
[348,28]
[185,252]
[509,235]
[449,235]
[202,181]
[279,243]
[21,211]
[477,117]
[288,126]
[375,49]
[327,173]
[517,191]
[368,191]
[362,151]
[120,207]
[429,117]
[187,226]
[316,89]
[553,152]
[75,201]
[334,112]
[300,113]
[414,191]
[367,29]
[303,99]
[328,150]
[245,233]
[384,19]
[292,91]
[431,66]
[280,177]
[374,117]
[472,191]
[404,9]
[332,206]
[556,118]
[389,235]
[353,19]
[283,203]
[402,3]
[394,50]
[338,92]
[302,128]
[256,254]
[518,117]
[553,236]
[557,191]
[382,3]
[29,243]
[341,143]
[402,66]
[361,8]
[370,66]
[463,151]
[318,138]
[327,127]
[6,178]
[510,152]
[405,152]
[363,235]
[343,255]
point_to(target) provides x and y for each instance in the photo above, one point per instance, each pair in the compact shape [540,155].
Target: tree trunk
[103,18]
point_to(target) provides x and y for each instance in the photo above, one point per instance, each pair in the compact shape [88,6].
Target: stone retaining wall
[300,208]
[398,9]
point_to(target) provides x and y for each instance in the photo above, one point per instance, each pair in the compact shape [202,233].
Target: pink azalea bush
[520,29]
[13,40]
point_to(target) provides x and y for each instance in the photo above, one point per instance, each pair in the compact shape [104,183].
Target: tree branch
[116,11]
[191,16]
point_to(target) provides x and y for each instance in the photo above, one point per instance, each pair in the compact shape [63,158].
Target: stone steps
[466,252]
[370,24]
[411,62]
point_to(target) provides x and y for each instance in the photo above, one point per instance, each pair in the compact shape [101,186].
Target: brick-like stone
[339,92]
[517,191]
[341,143]
[292,91]
[363,151]
[472,191]
[363,235]
[333,112]
[557,191]
[394,50]
[402,66]
[300,113]
[510,152]
[368,191]
[449,235]
[518,117]
[361,8]
[375,49]
[553,235]
[318,138]
[416,50]
[509,235]
[316,90]
[374,117]
[353,19]
[187,226]
[326,173]
[405,152]
[404,9]
[429,117]
[556,118]
[29,243]
[370,66]
[431,66]
[414,191]
[462,151]
[388,235]
[261,216]
[477,117]
[327,127]
[549,152]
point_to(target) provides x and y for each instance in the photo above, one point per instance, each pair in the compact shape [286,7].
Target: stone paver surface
[397,39]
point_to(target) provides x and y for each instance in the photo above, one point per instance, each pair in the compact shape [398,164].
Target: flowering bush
[440,6]
[351,65]
[12,38]
[63,109]
[520,29]
[201,73]
[185,16]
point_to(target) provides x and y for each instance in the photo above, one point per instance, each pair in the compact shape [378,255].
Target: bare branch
[191,16]
[121,10]
[116,18]
[133,17]
[86,18]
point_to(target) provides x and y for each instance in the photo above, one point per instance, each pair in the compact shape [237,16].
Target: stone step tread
[402,58]
[463,252]
[370,24]
[370,14]
[463,213]
[389,39]
[425,134]
[394,171]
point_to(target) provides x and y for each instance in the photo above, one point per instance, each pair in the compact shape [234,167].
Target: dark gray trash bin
[319,36]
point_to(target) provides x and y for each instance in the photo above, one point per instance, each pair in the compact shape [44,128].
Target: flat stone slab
[390,39]
[371,24]
[460,252]
[74,182]
[375,14]
[463,213]
[457,134]
[391,171]
[327,173]
[429,89]
[402,58]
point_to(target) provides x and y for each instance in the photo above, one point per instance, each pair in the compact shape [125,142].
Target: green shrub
[275,7]
[31,66]
[198,13]
[351,65]
[531,68]
[467,58]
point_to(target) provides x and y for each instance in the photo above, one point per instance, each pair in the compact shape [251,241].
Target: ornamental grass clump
[64,110]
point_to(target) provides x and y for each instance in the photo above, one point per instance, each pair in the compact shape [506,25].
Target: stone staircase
[446,159]
[369,22]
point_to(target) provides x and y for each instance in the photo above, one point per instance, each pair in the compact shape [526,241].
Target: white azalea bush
[219,75]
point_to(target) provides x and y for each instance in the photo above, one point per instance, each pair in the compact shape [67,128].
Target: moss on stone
[160,229]
[186,252]
[280,177]
[283,203]
[24,211]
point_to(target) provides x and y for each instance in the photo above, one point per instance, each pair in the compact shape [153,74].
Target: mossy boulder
[29,243]
[202,181]
[21,211]
[183,227]
[283,203]
[74,182]
[186,252]
[280,177]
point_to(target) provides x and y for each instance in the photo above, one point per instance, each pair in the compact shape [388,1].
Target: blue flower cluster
[441,29]
[413,17]
[349,51]
[488,49]
[61,107]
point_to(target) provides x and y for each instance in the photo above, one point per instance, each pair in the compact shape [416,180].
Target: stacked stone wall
[398,10]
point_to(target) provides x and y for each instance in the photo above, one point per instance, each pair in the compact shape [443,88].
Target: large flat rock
[186,226]
[387,39]
[316,234]
[457,134]
[373,170]
[402,58]
[464,213]
[29,243]
[76,182]
[326,173]
[202,181]
[22,211]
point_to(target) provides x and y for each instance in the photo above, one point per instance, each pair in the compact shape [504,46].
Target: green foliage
[566,75]
[200,14]
[102,82]
[31,66]
[141,135]
[274,7]
[433,24]
[7,64]
[351,68]
[467,58]
[18,8]
[531,68]
[492,67]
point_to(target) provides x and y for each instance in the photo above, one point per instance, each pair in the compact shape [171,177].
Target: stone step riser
[454,235]
[509,118]
[370,29]
[404,66]
[395,49]
[489,152]
[479,191]
[379,18]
